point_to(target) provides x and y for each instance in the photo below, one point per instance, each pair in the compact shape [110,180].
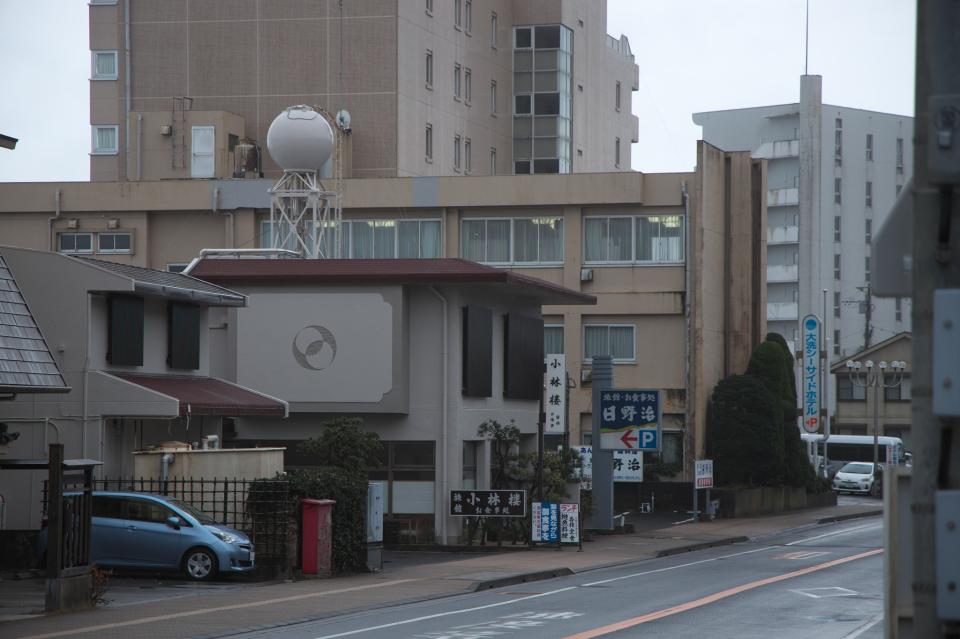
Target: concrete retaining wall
[768,500]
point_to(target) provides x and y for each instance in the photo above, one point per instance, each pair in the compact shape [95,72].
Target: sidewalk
[211,611]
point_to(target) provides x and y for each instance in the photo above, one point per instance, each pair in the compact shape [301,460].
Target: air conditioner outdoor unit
[586,275]
[113,223]
[166,129]
[73,223]
[586,375]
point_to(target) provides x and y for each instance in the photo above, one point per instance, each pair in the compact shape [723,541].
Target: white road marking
[692,563]
[802,554]
[834,533]
[867,626]
[445,614]
[826,592]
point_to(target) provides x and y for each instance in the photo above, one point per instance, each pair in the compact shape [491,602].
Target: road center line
[717,596]
[692,563]
[446,614]
[203,611]
[831,534]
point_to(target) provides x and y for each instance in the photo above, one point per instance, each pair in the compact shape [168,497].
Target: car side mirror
[174,522]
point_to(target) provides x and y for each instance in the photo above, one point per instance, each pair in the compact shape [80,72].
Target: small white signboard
[569,523]
[555,394]
[703,475]
[627,465]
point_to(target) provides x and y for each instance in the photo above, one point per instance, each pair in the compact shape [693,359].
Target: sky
[693,55]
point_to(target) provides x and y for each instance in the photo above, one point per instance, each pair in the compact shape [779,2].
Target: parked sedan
[858,477]
[139,530]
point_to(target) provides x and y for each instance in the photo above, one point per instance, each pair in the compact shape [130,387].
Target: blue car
[139,530]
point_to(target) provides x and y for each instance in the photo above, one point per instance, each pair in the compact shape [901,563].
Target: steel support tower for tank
[305,217]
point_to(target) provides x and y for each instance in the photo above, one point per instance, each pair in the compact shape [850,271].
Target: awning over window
[208,395]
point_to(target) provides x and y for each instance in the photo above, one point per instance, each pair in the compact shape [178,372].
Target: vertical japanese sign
[627,464]
[569,523]
[703,473]
[811,373]
[555,394]
[545,522]
[630,420]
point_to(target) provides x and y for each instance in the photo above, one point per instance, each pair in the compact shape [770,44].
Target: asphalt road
[825,583]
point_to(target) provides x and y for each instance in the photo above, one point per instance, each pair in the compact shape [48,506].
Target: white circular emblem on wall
[314,347]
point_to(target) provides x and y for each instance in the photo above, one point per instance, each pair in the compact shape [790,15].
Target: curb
[521,579]
[869,513]
[701,546]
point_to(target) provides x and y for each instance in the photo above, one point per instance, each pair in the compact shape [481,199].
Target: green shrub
[745,436]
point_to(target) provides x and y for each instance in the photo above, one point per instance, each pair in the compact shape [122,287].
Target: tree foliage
[743,440]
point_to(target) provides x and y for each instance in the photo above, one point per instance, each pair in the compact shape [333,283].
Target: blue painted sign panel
[630,420]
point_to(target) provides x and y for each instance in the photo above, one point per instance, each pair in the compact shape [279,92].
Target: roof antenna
[806,43]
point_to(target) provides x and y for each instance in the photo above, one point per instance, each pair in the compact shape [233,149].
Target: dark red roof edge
[221,397]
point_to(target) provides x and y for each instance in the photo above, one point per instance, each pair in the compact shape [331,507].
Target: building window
[75,242]
[616,152]
[387,239]
[898,310]
[493,30]
[836,342]
[493,97]
[429,7]
[201,151]
[103,65]
[617,98]
[522,240]
[866,269]
[836,228]
[870,147]
[902,392]
[177,267]
[457,13]
[868,231]
[429,69]
[553,339]
[105,139]
[837,191]
[836,267]
[847,391]
[456,82]
[456,152]
[468,15]
[868,199]
[640,239]
[836,304]
[467,86]
[493,160]
[523,38]
[838,145]
[428,142]
[114,242]
[899,155]
[466,156]
[616,340]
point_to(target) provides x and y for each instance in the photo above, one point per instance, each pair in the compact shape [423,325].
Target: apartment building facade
[676,261]
[422,87]
[834,174]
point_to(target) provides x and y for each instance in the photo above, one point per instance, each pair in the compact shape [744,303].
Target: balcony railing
[778,149]
[783,197]
[782,273]
[783,234]
[777,311]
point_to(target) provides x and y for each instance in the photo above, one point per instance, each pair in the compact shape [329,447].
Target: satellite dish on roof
[343,120]
[300,139]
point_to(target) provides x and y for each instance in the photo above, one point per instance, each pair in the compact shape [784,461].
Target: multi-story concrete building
[676,261]
[432,87]
[834,174]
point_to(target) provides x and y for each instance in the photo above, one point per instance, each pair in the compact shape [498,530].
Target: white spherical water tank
[300,139]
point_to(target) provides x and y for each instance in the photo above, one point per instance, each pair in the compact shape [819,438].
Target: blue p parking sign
[630,420]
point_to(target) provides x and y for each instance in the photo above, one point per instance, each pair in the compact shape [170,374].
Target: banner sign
[488,503]
[555,394]
[545,522]
[703,473]
[811,373]
[627,464]
[569,523]
[630,420]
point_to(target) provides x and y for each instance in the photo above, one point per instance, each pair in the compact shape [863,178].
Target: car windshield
[200,516]
[857,469]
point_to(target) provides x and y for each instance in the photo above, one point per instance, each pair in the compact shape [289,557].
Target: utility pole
[935,267]
[867,316]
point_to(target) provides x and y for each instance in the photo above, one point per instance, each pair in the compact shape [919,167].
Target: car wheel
[200,564]
[874,489]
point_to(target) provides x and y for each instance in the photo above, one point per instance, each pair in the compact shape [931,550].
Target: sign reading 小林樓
[555,394]
[627,464]
[488,503]
[810,329]
[703,473]
[569,523]
[545,522]
[630,420]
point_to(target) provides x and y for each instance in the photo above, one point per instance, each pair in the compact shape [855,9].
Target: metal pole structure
[602,516]
[874,378]
[541,418]
[935,265]
[826,387]
[876,421]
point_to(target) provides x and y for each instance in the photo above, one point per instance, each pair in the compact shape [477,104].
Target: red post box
[315,552]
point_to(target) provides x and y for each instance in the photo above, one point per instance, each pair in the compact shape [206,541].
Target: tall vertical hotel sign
[810,328]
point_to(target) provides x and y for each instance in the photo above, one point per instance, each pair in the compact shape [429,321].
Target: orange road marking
[717,596]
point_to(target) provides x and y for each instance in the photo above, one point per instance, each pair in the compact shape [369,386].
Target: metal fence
[261,508]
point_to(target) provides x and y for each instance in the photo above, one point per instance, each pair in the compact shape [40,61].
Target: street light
[875,376]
